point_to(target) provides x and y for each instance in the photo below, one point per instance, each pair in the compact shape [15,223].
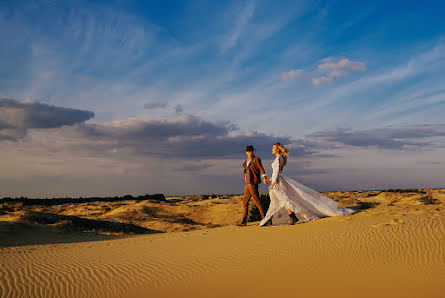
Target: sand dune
[394,248]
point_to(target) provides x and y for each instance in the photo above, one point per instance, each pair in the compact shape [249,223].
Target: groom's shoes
[243,223]
[293,218]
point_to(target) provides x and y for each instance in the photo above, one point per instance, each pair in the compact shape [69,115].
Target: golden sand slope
[395,249]
[177,214]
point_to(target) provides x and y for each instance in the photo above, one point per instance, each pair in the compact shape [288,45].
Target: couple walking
[290,201]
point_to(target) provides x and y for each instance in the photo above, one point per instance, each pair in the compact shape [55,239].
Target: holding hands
[267,181]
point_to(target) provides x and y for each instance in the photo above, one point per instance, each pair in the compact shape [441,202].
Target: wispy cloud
[323,80]
[291,74]
[340,67]
[240,26]
[155,105]
[421,63]
[333,68]
[327,70]
[394,138]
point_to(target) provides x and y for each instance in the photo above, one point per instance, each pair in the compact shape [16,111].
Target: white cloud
[428,61]
[329,69]
[322,81]
[333,68]
[292,74]
[329,64]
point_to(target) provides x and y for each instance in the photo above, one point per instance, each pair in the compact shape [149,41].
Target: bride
[293,202]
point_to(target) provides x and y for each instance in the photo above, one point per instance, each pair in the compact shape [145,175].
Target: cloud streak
[240,26]
[155,105]
[415,136]
[329,69]
[291,74]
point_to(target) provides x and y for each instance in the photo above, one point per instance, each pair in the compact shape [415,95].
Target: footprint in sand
[393,222]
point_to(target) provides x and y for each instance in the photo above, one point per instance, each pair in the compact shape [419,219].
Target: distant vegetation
[397,190]
[254,214]
[429,200]
[404,190]
[206,197]
[68,200]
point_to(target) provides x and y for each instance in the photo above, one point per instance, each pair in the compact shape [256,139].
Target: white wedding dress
[306,203]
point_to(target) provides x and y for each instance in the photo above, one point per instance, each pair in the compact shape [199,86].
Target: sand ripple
[403,251]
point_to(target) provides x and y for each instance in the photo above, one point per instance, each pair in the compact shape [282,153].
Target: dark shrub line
[68,200]
[405,190]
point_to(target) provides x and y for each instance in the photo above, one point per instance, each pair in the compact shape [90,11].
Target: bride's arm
[276,173]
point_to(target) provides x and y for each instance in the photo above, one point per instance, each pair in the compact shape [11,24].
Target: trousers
[251,191]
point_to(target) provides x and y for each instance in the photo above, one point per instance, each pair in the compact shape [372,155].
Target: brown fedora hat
[250,148]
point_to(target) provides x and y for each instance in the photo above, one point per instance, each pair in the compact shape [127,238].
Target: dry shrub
[66,225]
[131,215]
[150,211]
[38,218]
[429,200]
[105,209]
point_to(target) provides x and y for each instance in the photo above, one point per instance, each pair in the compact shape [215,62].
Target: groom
[252,170]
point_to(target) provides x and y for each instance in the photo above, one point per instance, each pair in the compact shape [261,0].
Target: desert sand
[394,246]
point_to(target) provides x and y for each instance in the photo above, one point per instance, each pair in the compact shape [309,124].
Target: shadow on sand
[362,206]
[47,228]
[20,234]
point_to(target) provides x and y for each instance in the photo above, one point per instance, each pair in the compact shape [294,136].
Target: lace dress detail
[306,203]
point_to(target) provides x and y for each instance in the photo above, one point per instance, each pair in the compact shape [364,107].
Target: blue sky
[101,95]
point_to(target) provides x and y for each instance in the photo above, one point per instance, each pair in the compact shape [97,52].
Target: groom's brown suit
[252,177]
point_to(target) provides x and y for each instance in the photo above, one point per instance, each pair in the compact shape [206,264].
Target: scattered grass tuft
[4,208]
[429,200]
[364,205]
[373,194]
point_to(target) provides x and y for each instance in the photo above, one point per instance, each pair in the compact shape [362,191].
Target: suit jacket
[254,170]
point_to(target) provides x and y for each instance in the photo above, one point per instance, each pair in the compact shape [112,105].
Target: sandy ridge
[394,249]
[158,262]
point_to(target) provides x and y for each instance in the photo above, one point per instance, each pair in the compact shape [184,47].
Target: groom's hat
[250,148]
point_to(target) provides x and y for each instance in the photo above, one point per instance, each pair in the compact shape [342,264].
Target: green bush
[254,213]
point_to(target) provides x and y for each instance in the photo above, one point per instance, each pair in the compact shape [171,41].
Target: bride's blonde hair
[282,151]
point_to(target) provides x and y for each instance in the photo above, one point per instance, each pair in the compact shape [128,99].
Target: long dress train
[306,203]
